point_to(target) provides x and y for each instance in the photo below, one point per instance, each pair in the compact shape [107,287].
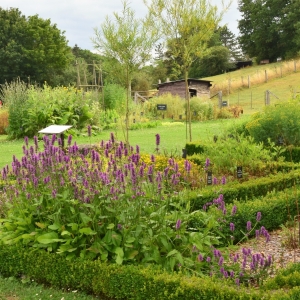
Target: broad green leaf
[116,238]
[40,225]
[130,239]
[74,226]
[85,219]
[172,253]
[54,226]
[47,238]
[87,231]
[132,254]
[110,226]
[65,232]
[28,236]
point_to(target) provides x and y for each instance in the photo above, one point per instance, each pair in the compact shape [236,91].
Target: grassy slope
[284,87]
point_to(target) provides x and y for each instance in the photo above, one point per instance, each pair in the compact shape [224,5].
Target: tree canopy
[127,42]
[187,26]
[269,28]
[31,48]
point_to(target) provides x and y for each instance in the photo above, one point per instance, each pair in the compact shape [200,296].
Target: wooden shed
[197,87]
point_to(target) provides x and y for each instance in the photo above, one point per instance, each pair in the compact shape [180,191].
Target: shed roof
[181,80]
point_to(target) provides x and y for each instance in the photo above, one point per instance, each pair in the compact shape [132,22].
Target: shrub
[3,120]
[114,98]
[277,122]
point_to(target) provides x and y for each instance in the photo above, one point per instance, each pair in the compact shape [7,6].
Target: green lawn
[172,136]
[12,289]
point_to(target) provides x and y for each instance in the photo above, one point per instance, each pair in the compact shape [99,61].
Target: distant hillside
[247,87]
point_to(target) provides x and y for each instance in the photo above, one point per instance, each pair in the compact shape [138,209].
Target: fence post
[266,76]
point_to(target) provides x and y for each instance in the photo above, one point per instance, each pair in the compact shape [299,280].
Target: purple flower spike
[178,224]
[157,139]
[231,226]
[233,211]
[258,216]
[207,163]
[200,257]
[223,180]
[69,140]
[249,226]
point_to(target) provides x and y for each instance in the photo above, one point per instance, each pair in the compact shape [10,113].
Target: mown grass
[13,289]
[172,135]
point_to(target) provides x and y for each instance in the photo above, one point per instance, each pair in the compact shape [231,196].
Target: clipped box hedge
[242,191]
[111,281]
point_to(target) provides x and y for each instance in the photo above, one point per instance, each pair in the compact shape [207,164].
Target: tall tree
[129,41]
[269,28]
[30,47]
[230,41]
[187,25]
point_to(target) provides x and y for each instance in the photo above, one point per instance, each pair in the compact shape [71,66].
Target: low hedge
[111,281]
[245,190]
[276,208]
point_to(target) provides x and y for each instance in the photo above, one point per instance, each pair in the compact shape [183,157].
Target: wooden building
[197,87]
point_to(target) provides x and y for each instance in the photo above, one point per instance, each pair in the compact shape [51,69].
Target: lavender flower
[249,225]
[157,141]
[200,257]
[207,163]
[69,140]
[231,225]
[223,180]
[258,216]
[221,260]
[178,224]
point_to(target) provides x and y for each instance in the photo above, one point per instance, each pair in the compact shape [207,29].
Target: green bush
[229,152]
[32,109]
[117,282]
[277,122]
[114,97]
[242,191]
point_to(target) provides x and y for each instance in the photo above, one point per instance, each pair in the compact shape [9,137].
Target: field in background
[247,87]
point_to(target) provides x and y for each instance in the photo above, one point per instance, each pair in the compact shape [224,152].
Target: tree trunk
[187,98]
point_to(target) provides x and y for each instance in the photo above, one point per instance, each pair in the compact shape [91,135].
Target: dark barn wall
[178,88]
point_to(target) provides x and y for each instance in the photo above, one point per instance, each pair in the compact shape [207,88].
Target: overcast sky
[78,18]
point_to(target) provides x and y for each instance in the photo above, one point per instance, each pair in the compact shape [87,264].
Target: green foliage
[118,282]
[32,108]
[215,61]
[114,98]
[31,48]
[280,121]
[108,119]
[260,36]
[242,191]
[3,120]
[78,205]
[15,96]
[201,111]
[238,151]
[175,106]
